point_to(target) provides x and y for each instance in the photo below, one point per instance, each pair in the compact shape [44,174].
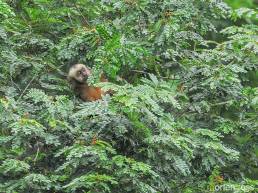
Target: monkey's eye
[80,72]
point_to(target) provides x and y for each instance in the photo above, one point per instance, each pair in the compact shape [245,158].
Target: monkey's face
[82,74]
[79,72]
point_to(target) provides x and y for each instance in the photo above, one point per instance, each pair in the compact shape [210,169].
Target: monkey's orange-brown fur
[77,76]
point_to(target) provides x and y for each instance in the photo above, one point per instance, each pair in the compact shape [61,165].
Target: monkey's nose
[87,72]
[84,73]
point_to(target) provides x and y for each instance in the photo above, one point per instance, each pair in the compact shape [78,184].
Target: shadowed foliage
[183,116]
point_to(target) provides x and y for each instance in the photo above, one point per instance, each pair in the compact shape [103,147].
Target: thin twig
[26,87]
[142,72]
[13,83]
[36,157]
[212,42]
[11,77]
[84,18]
[222,103]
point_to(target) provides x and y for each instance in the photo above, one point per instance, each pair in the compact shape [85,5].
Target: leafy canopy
[183,117]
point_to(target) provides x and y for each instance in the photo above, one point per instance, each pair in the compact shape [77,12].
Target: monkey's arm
[104,79]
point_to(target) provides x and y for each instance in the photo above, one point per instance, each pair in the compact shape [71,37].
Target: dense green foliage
[184,114]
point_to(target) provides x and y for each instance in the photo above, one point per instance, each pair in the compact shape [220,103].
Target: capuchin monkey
[77,76]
